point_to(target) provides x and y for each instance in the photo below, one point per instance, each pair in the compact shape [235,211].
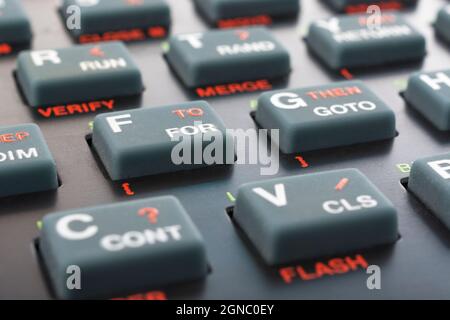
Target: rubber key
[355,6]
[430,182]
[351,41]
[15,27]
[225,56]
[222,12]
[151,141]
[443,24]
[429,94]
[315,215]
[26,163]
[103,20]
[121,248]
[77,74]
[333,115]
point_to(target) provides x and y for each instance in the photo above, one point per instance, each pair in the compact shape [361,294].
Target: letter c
[328,207]
[63,228]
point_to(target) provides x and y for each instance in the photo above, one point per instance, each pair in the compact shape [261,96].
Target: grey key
[105,16]
[79,73]
[314,215]
[349,41]
[354,6]
[333,115]
[429,94]
[150,141]
[26,164]
[430,182]
[216,11]
[443,24]
[15,28]
[122,248]
[225,56]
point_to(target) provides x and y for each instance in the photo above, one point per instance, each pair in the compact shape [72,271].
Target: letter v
[279,199]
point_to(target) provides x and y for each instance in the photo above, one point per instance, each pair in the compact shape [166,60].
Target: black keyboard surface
[415,267]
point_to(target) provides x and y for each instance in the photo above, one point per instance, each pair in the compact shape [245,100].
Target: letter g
[294,101]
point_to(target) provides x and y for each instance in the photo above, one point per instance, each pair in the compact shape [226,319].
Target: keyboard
[102,199]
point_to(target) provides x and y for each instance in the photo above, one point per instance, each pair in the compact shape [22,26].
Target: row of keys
[286,219]
[149,141]
[106,20]
[305,119]
[89,72]
[155,243]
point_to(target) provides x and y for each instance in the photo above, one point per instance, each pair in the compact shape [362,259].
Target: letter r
[39,57]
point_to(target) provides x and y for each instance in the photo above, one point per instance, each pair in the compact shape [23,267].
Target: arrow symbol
[97,52]
[342,184]
[243,35]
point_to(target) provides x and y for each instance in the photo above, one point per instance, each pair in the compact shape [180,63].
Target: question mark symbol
[151,213]
[374,19]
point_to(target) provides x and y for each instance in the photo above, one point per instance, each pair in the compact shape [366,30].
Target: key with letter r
[77,74]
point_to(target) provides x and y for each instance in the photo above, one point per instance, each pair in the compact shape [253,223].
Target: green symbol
[254,104]
[165,47]
[401,84]
[230,197]
[303,31]
[39,225]
[404,167]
